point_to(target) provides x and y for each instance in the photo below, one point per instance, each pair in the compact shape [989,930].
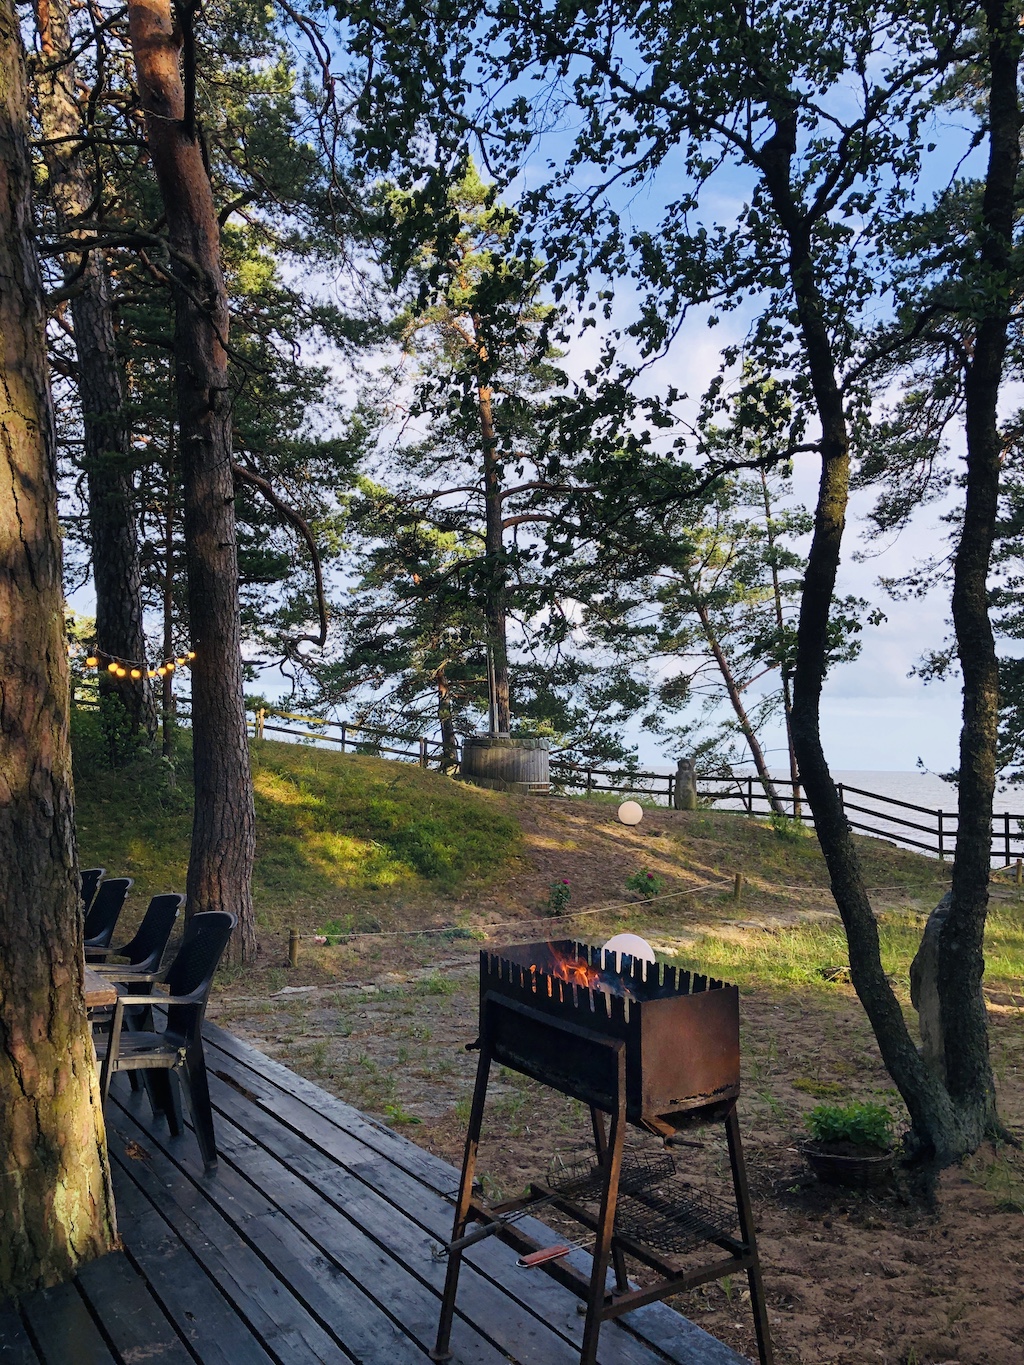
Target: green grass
[798,955]
[333,830]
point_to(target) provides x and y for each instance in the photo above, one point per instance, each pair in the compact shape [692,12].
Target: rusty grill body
[642,1044]
[681,1031]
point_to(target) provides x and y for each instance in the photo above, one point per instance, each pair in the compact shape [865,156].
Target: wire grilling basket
[656,1206]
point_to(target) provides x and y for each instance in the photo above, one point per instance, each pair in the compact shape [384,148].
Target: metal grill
[656,1207]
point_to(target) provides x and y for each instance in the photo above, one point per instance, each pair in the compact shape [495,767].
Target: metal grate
[656,1207]
[582,1178]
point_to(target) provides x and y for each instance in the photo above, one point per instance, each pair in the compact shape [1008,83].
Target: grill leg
[746,1215]
[441,1349]
[601,1146]
[612,1164]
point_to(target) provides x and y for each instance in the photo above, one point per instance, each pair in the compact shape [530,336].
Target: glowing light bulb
[162,672]
[136,672]
[112,667]
[91,661]
[151,673]
[169,668]
[191,654]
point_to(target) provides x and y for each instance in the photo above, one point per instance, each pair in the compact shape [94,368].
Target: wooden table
[98,990]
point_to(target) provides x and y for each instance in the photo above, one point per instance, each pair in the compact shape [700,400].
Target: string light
[136,669]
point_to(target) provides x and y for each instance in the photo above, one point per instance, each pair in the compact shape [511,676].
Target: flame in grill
[578,971]
[575,970]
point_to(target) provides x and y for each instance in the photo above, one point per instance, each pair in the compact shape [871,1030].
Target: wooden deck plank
[15,1347]
[398,1246]
[345,1208]
[131,1318]
[63,1329]
[415,1218]
[277,1323]
[517,1331]
[337,1301]
[202,1315]
[657,1325]
[267,1081]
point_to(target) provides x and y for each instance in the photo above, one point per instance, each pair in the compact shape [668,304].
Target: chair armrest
[112,971]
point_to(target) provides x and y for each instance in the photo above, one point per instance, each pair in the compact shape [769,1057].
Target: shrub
[559,897]
[861,1123]
[785,827]
[645,884]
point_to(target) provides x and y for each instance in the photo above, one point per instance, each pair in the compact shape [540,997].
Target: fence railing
[350,738]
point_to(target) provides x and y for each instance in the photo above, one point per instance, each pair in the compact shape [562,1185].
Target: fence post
[423,751]
[842,799]
[942,846]
[343,727]
[671,790]
[1006,835]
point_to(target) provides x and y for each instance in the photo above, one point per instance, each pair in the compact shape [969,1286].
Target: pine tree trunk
[784,667]
[449,739]
[495,606]
[735,699]
[223,831]
[107,458]
[936,1130]
[56,1208]
[960,956]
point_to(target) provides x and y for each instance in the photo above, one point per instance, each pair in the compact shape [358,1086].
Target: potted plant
[850,1144]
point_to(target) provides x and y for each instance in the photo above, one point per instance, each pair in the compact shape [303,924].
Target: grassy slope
[340,838]
[352,842]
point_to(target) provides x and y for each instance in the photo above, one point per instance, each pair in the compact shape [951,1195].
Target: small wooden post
[343,728]
[423,751]
[942,845]
[737,889]
[293,947]
[1018,872]
[261,720]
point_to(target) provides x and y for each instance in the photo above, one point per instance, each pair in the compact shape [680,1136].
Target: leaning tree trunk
[960,958]
[735,699]
[936,1129]
[106,458]
[223,830]
[56,1209]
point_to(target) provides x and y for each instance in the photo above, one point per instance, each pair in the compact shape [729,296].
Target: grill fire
[642,1044]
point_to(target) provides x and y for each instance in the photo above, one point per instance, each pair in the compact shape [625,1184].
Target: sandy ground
[853,1278]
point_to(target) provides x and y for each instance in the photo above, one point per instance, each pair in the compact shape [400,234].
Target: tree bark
[735,699]
[960,957]
[107,459]
[935,1127]
[449,739]
[784,668]
[56,1208]
[495,605]
[223,831]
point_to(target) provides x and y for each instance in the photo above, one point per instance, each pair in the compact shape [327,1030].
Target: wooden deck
[311,1244]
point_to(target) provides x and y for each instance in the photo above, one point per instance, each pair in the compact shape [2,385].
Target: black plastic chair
[179,1048]
[90,879]
[106,906]
[144,952]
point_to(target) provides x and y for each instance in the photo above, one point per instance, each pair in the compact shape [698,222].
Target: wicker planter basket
[859,1172]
